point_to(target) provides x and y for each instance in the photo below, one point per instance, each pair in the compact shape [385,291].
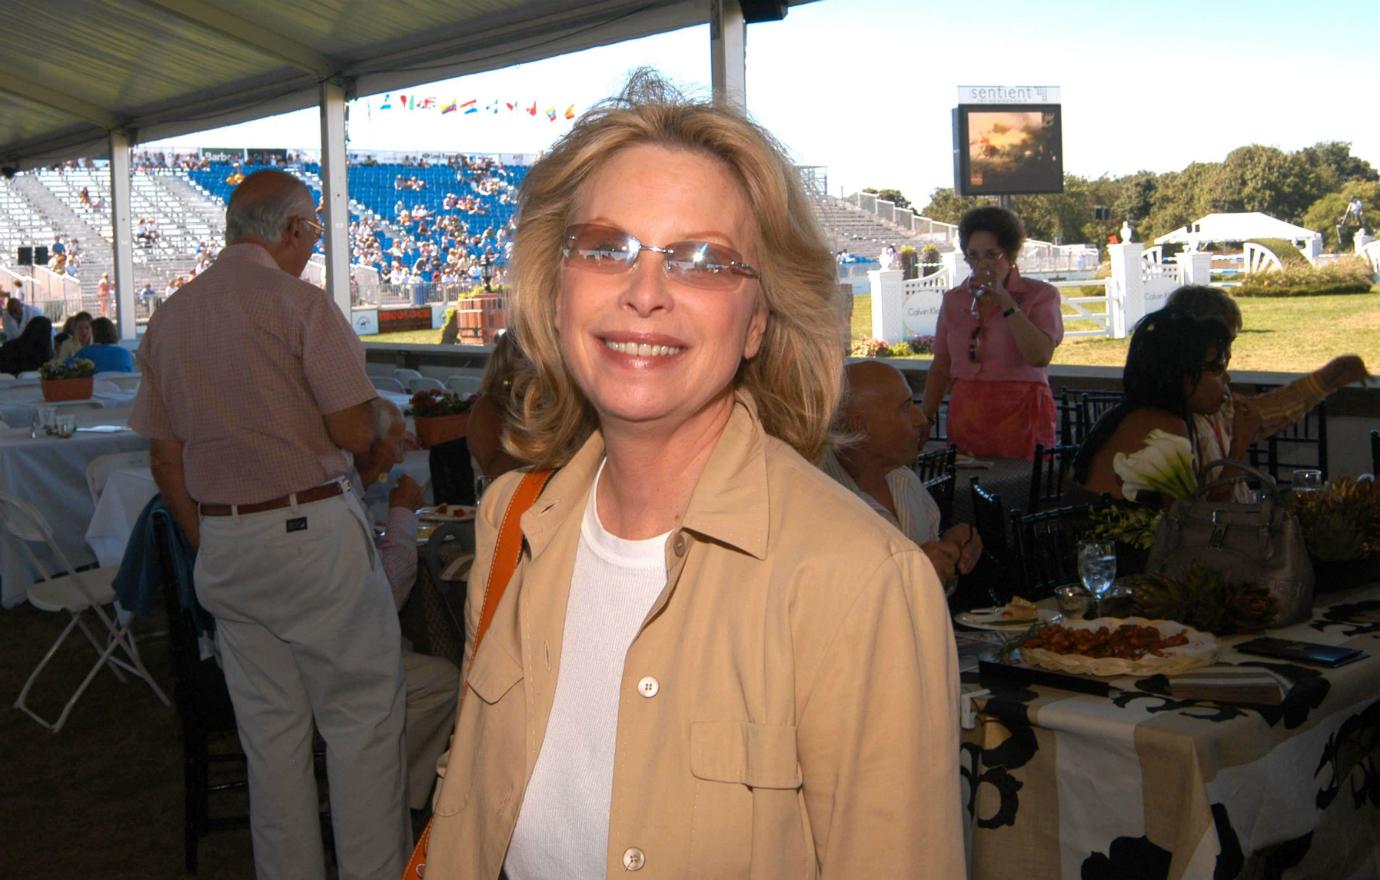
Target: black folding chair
[1046,548]
[1375,452]
[993,574]
[1301,445]
[1047,472]
[929,465]
[1091,406]
[1067,406]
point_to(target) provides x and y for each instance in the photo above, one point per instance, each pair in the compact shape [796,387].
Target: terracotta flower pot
[439,429]
[67,389]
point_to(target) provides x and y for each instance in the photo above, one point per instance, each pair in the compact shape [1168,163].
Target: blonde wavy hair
[796,375]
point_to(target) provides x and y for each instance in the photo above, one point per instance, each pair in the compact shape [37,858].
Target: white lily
[1164,465]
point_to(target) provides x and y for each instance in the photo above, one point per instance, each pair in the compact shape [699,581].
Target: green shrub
[1289,255]
[1350,275]
[901,350]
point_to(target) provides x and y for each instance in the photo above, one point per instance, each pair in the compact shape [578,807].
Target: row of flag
[455,105]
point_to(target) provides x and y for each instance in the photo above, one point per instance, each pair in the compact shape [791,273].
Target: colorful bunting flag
[427,103]
[449,108]
[570,112]
[550,114]
[387,101]
[532,111]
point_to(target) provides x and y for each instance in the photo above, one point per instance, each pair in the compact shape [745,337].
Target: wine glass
[1097,566]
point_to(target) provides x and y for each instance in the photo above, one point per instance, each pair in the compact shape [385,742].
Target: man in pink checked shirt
[253,394]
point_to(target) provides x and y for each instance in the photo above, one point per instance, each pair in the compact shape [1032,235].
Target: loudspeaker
[41,255]
[763,10]
[26,256]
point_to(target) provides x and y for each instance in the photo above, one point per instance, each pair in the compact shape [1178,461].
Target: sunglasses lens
[703,264]
[599,248]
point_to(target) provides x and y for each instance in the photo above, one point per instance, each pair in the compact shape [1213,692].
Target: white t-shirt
[563,828]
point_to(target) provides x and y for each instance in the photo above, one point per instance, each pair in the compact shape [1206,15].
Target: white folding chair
[426,383]
[75,592]
[98,470]
[28,374]
[407,377]
[463,384]
[384,383]
[6,378]
[104,386]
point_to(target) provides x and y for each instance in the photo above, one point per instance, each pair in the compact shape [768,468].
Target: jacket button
[633,859]
[648,687]
[679,544]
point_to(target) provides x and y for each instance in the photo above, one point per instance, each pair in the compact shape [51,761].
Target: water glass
[66,425]
[1074,601]
[1097,565]
[1307,480]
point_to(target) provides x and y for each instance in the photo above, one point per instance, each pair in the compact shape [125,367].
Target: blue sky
[865,87]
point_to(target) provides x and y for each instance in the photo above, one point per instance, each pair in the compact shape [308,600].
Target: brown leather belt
[306,496]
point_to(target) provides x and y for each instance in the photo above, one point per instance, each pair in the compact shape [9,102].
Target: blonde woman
[712,661]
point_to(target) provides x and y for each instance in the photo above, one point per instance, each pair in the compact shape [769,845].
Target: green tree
[1335,166]
[887,194]
[1323,215]
[1136,198]
[1180,198]
[1266,179]
[946,207]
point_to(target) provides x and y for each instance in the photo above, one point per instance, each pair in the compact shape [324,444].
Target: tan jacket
[805,723]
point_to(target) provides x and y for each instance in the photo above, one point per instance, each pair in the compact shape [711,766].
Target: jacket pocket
[747,801]
[755,755]
[488,740]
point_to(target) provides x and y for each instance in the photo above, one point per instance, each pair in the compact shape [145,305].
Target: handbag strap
[507,554]
[1267,482]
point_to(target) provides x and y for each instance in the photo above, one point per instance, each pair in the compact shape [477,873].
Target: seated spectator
[31,349]
[149,297]
[432,682]
[18,313]
[1241,421]
[489,415]
[880,411]
[78,330]
[105,351]
[1176,369]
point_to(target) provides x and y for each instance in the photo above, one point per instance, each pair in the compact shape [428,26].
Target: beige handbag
[1259,544]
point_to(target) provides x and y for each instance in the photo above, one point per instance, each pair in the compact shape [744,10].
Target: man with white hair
[18,313]
[253,394]
[881,412]
[433,683]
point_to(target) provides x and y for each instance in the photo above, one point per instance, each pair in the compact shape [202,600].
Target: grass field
[1288,335]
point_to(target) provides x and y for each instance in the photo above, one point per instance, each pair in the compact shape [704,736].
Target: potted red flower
[67,380]
[439,416]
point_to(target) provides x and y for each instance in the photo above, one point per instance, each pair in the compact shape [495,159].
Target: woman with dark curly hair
[996,334]
[1176,369]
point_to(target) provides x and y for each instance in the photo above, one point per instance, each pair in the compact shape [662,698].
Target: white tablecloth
[18,405]
[128,489]
[50,473]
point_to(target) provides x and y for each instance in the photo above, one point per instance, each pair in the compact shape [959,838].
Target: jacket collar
[729,503]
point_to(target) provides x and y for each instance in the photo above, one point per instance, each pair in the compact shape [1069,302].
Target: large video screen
[1008,149]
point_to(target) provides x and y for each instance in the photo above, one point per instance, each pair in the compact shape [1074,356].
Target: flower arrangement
[869,347]
[1164,466]
[72,368]
[921,344]
[1342,522]
[435,403]
[1204,599]
[1133,526]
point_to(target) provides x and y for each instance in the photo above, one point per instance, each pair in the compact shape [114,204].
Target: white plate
[995,622]
[446,513]
[1201,650]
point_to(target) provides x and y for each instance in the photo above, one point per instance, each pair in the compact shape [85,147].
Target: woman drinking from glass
[712,660]
[996,334]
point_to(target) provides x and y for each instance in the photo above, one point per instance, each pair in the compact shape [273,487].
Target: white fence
[904,309]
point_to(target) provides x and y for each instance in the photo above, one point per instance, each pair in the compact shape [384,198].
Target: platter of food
[446,513]
[1119,646]
[1014,615]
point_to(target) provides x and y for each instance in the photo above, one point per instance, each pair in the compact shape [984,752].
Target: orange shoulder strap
[507,554]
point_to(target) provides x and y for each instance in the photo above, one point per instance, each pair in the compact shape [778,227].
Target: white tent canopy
[1237,227]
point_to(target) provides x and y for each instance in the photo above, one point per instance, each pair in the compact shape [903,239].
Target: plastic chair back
[426,383]
[386,383]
